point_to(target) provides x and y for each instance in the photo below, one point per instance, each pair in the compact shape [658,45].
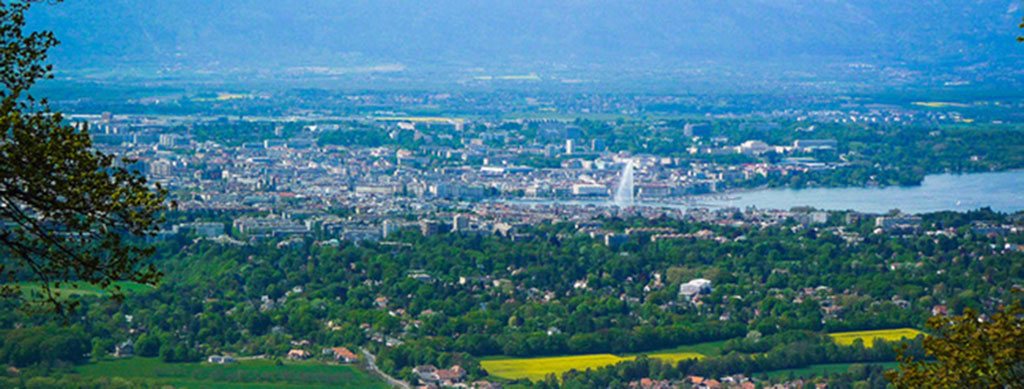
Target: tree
[167,353]
[69,213]
[148,346]
[100,348]
[969,352]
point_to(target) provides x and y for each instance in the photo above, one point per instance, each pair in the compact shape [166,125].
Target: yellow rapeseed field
[536,369]
[847,338]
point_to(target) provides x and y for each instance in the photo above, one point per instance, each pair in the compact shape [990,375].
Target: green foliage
[969,351]
[1021,38]
[29,346]
[765,281]
[825,370]
[147,346]
[71,214]
[177,352]
[101,348]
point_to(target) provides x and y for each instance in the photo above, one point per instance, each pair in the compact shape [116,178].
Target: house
[429,374]
[615,240]
[341,354]
[124,349]
[695,287]
[698,382]
[808,145]
[647,383]
[989,230]
[485,385]
[426,373]
[297,354]
[898,222]
[220,359]
[451,376]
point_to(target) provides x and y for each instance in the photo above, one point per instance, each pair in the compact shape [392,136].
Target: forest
[455,298]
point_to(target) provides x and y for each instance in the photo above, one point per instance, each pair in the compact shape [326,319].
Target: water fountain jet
[623,197]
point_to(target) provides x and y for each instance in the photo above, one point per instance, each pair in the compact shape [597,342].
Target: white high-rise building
[460,223]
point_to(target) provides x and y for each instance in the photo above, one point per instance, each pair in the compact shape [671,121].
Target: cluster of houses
[737,381]
[340,354]
[432,376]
[695,382]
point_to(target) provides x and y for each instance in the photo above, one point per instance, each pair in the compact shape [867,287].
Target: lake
[1003,191]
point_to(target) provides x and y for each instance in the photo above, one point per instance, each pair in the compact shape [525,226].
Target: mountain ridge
[260,34]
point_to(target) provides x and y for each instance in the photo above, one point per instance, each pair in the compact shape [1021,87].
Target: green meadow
[246,374]
[80,289]
[821,370]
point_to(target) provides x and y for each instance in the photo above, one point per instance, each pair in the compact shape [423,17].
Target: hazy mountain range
[275,33]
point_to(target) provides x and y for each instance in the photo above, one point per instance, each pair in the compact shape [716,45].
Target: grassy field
[868,337]
[675,357]
[706,349]
[31,289]
[537,368]
[821,370]
[249,374]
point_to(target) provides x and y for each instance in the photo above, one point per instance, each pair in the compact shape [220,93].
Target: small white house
[220,359]
[695,287]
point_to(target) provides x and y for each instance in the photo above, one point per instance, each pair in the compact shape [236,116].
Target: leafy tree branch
[70,214]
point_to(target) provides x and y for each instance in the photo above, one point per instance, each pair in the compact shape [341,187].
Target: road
[371,363]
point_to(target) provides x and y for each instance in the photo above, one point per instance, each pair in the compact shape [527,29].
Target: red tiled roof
[342,352]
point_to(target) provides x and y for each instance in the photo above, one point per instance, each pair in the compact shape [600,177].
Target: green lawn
[32,289]
[707,349]
[820,370]
[249,374]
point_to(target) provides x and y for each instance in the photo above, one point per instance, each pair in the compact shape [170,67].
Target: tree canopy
[969,351]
